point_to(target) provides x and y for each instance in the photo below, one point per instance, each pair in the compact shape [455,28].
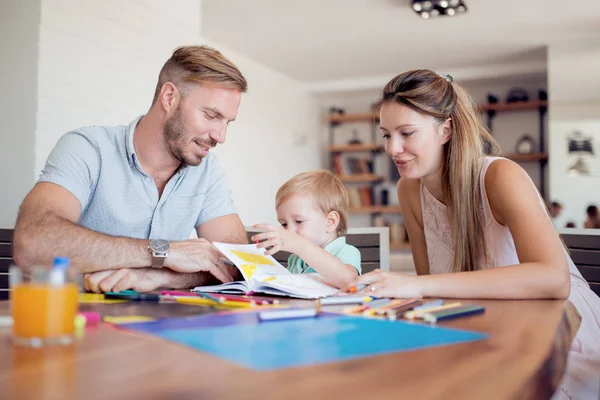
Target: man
[555,209]
[593,219]
[105,191]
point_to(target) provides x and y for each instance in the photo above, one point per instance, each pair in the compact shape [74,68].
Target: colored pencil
[342,300]
[356,309]
[356,288]
[175,293]
[418,314]
[288,313]
[249,299]
[393,305]
[395,313]
[208,296]
[455,312]
[208,302]
[430,304]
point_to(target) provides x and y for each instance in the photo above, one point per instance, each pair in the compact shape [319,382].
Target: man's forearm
[90,251]
[179,280]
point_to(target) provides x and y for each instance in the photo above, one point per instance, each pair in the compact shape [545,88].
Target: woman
[467,213]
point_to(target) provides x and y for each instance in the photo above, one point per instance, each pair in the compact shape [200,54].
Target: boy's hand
[276,238]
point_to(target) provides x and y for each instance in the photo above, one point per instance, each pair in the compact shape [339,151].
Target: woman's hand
[275,238]
[390,284]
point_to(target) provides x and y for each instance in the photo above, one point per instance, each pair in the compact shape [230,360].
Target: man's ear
[333,220]
[446,130]
[169,97]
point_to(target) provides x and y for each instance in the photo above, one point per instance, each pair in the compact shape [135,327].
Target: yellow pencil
[208,302]
[418,314]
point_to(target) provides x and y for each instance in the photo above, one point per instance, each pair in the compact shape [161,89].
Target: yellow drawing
[248,270]
[252,258]
[269,279]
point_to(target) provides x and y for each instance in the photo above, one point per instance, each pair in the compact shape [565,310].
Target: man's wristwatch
[159,248]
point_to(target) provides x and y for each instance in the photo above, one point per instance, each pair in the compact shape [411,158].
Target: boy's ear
[333,220]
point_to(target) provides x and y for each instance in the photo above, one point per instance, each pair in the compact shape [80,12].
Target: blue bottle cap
[60,262]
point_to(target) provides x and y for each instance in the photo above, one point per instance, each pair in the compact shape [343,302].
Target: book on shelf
[354,165]
[338,169]
[354,197]
[366,195]
[366,166]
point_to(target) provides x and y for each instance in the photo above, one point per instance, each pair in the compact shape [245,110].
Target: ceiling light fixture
[433,8]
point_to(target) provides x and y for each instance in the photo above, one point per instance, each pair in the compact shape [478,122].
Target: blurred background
[315,68]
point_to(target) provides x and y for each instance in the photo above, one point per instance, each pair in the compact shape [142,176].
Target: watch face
[159,245]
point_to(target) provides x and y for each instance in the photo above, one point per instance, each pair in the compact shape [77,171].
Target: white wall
[99,62]
[574,82]
[275,136]
[19,31]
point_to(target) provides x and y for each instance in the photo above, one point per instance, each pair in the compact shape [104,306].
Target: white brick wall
[99,61]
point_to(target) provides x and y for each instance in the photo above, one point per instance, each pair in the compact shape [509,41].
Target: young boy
[312,209]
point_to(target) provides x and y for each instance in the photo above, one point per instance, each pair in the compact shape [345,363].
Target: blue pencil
[455,312]
[208,296]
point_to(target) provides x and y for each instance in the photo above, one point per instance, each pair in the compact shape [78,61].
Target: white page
[230,287]
[251,260]
[308,286]
[263,272]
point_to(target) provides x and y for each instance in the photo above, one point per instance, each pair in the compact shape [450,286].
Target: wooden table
[524,357]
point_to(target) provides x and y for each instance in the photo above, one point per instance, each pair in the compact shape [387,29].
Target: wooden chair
[6,260]
[373,244]
[585,252]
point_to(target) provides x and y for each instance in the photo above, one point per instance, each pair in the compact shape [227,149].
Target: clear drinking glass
[44,304]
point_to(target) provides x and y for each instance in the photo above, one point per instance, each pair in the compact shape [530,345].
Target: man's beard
[175,138]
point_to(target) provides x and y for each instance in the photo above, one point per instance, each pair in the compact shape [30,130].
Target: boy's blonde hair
[328,190]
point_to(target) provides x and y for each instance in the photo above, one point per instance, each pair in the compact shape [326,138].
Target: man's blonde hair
[199,64]
[328,190]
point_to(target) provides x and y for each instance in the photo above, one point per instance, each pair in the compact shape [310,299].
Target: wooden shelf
[359,117]
[526,157]
[360,178]
[399,246]
[373,116]
[376,210]
[346,148]
[519,106]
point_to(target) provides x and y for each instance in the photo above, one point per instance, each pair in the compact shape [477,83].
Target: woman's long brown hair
[431,94]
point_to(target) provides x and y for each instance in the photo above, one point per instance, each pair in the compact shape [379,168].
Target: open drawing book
[263,274]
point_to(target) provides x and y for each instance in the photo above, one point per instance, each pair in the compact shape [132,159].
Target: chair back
[6,260]
[585,253]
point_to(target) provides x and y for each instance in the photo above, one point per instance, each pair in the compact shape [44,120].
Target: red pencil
[243,298]
[173,293]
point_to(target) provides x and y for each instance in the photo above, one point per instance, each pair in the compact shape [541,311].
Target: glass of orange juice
[44,304]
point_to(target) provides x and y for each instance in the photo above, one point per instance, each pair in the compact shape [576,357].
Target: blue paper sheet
[243,340]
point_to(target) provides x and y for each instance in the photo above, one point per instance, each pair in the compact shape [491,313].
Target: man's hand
[139,279]
[196,255]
